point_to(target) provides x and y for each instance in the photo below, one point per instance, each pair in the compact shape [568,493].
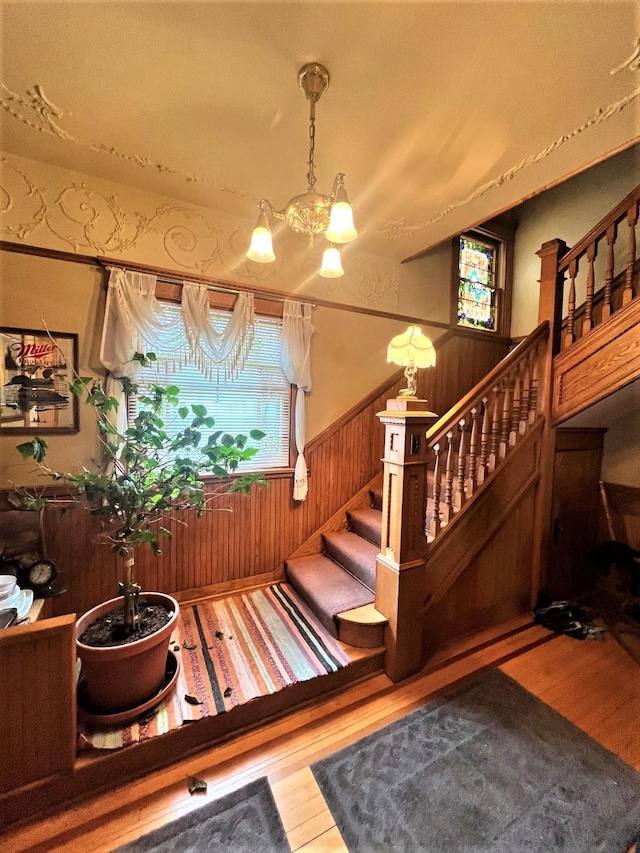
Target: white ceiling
[428,102]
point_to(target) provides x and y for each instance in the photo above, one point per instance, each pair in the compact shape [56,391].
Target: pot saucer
[111,719]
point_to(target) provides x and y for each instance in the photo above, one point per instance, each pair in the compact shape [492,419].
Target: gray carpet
[245,821]
[487,768]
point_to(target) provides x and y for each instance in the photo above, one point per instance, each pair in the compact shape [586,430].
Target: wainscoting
[226,550]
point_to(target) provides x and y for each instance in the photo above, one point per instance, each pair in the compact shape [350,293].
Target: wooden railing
[474,437]
[603,297]
[434,471]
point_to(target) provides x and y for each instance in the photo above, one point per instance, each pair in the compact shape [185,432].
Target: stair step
[326,588]
[362,627]
[366,522]
[354,553]
[376,499]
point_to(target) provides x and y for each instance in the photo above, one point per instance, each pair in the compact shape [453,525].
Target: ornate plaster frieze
[365,283]
[53,208]
[397,229]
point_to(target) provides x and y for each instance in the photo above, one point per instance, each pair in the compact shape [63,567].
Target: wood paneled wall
[494,588]
[37,702]
[249,544]
[620,510]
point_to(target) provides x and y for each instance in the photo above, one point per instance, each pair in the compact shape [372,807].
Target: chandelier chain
[311,174]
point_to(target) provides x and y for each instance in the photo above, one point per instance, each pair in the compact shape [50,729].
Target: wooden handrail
[452,417]
[616,215]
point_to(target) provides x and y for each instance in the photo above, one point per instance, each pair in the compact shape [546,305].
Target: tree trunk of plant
[131,593]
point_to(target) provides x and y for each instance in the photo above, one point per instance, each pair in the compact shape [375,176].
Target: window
[481,280]
[259,397]
[477,286]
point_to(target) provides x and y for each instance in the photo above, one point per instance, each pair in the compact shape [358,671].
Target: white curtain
[135,321]
[297,332]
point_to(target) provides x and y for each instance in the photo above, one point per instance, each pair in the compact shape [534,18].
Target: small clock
[39,575]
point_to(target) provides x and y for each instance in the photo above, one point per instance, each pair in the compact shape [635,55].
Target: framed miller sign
[35,371]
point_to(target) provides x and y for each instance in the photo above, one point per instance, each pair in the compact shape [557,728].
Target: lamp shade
[261,248]
[331,263]
[411,348]
[341,228]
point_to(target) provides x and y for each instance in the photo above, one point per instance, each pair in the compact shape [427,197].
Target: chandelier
[310,212]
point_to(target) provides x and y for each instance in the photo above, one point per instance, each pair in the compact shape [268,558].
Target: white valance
[135,321]
[212,347]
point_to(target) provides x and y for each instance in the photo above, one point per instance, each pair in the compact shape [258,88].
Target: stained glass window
[477,284]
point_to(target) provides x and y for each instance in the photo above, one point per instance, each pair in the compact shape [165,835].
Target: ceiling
[440,114]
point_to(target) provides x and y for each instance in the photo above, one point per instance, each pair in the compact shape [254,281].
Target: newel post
[551,288]
[550,308]
[400,567]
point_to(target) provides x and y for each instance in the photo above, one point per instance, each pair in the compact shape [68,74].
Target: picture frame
[36,368]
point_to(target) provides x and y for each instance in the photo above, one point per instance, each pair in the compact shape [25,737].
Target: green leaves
[153,467]
[34,449]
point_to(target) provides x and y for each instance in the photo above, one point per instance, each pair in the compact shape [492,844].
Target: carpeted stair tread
[366,522]
[376,499]
[354,553]
[326,588]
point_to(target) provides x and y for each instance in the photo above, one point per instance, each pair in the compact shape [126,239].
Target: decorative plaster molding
[363,283]
[394,230]
[39,113]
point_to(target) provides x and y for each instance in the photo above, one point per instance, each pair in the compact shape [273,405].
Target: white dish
[10,601]
[7,585]
[23,605]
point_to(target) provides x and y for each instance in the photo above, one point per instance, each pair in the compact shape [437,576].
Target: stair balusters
[505,425]
[482,430]
[612,232]
[436,519]
[607,295]
[632,219]
[461,497]
[485,437]
[587,323]
[447,513]
[495,428]
[472,479]
[570,334]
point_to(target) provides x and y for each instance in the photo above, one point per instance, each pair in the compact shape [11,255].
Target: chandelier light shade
[411,350]
[261,248]
[331,263]
[310,213]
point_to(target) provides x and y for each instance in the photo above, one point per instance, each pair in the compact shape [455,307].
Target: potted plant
[148,470]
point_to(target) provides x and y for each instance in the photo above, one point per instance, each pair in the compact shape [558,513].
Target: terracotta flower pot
[125,676]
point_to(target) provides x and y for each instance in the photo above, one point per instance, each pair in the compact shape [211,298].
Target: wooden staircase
[338,584]
[471,504]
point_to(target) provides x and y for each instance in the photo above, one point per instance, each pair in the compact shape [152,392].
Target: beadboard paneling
[261,531]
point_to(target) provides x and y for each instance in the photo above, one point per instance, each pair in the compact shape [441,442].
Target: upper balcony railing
[602,268]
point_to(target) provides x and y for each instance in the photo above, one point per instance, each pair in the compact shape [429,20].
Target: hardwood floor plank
[328,842]
[595,685]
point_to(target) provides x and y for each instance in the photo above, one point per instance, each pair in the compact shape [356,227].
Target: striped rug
[232,650]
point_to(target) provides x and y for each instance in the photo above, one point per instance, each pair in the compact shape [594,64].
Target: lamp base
[406,404]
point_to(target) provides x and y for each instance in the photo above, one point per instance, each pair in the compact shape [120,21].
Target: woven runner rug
[488,768]
[232,650]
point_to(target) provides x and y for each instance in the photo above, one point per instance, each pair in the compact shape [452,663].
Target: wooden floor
[595,685]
